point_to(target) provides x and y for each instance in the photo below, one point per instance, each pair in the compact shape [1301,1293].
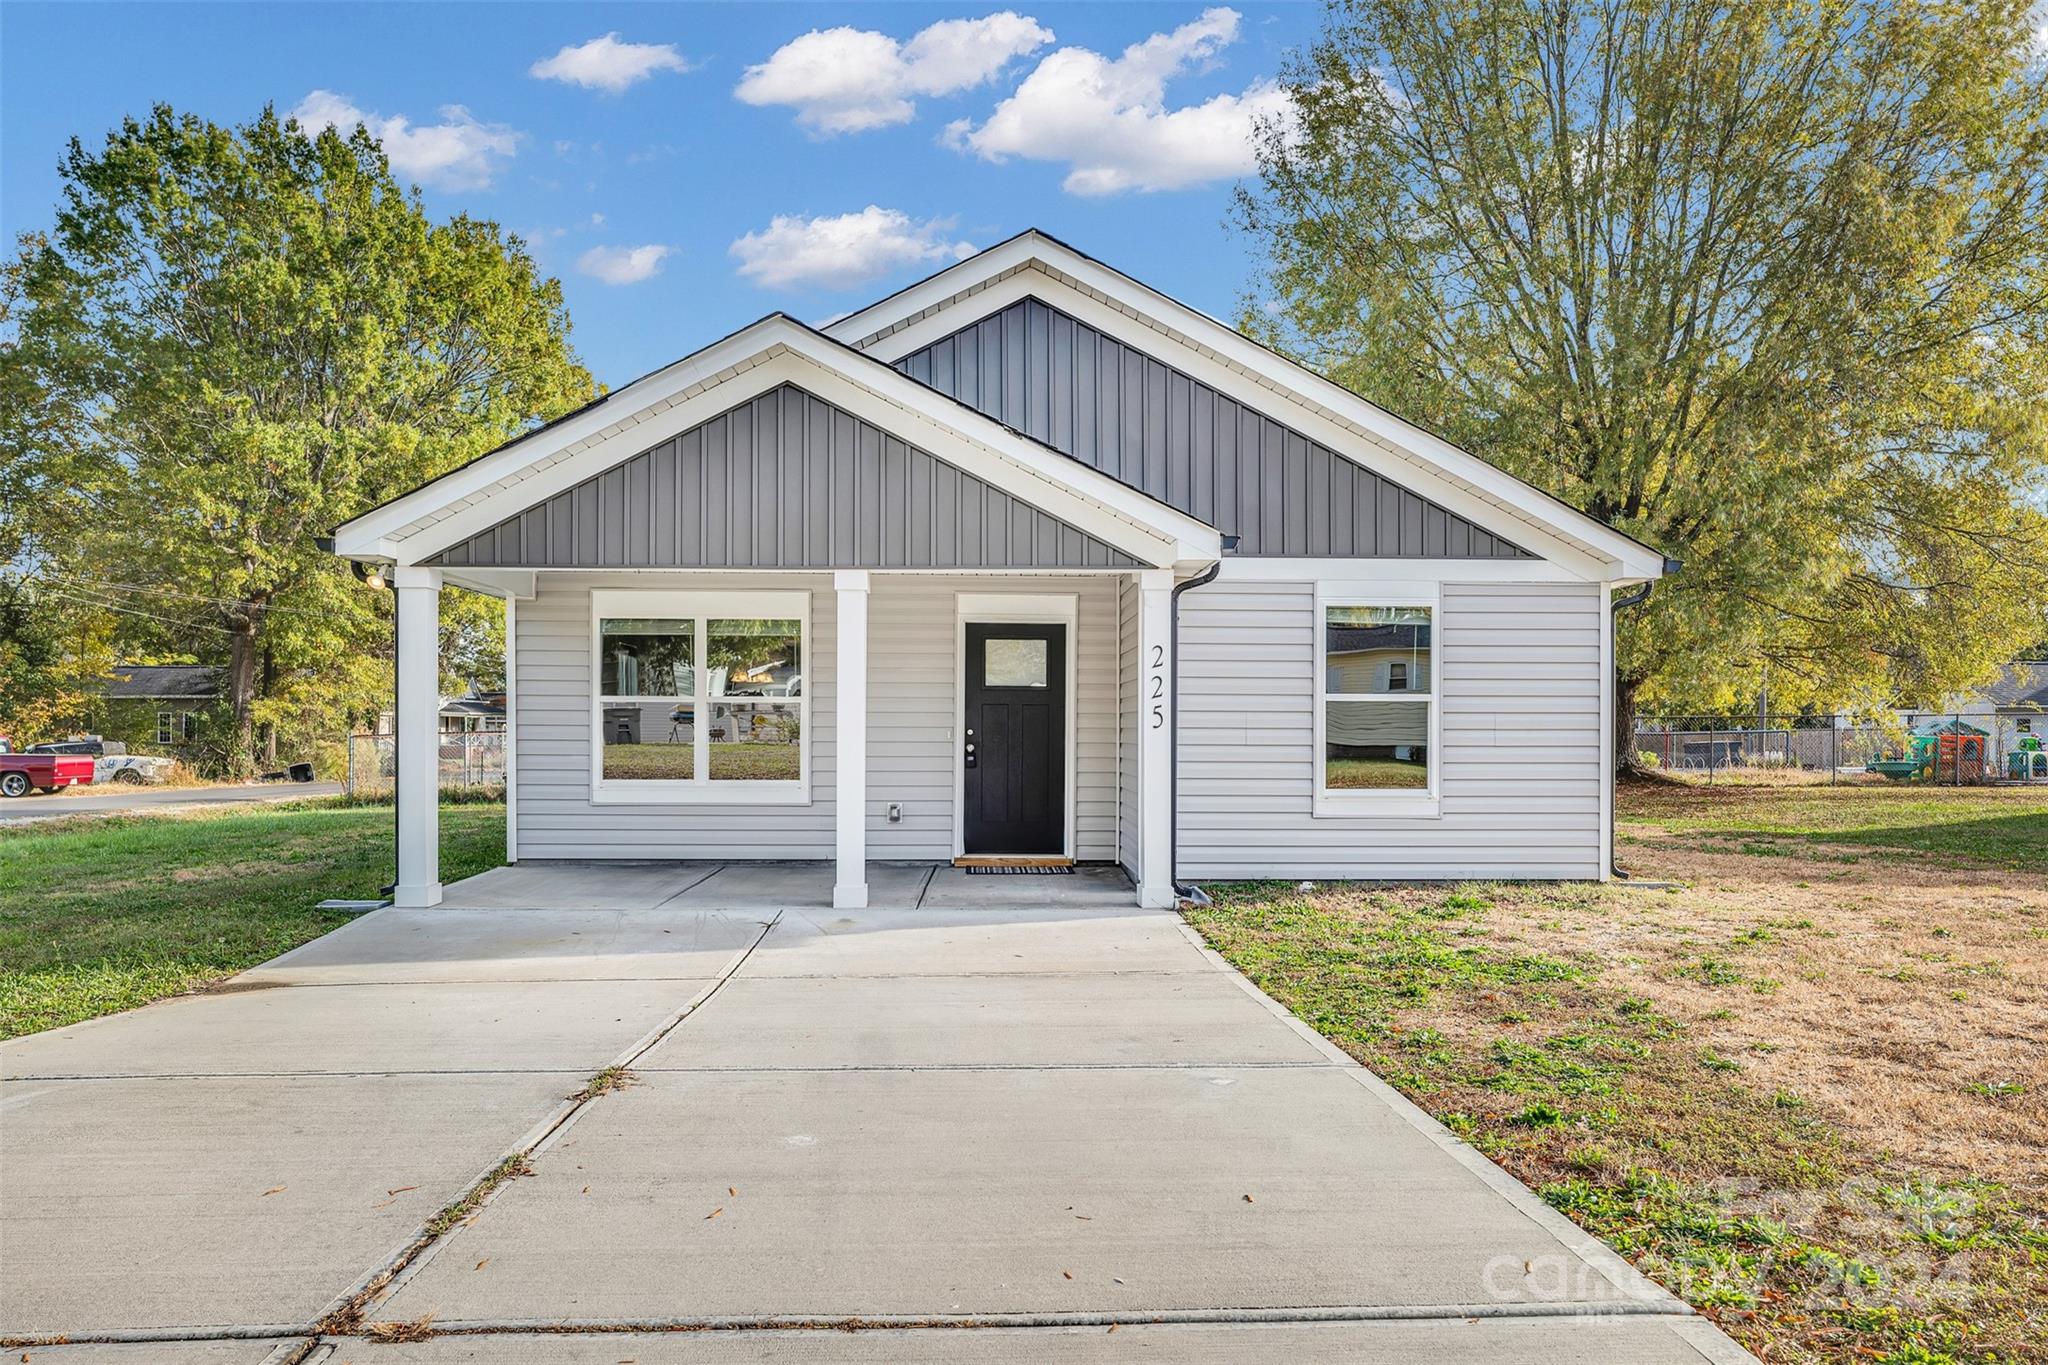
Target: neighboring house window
[164,721]
[700,696]
[188,725]
[1376,716]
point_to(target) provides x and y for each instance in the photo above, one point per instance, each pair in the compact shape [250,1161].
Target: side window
[1378,703]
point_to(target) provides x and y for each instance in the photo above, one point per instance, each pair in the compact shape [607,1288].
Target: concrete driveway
[1040,1122]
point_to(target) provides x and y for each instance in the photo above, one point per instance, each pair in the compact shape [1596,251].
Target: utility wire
[132,611]
[104,584]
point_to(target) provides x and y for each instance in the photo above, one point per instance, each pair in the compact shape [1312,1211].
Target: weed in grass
[1712,1061]
[1709,970]
[1998,1090]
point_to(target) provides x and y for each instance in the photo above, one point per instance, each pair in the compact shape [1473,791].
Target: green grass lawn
[103,914]
[1625,1052]
[2001,826]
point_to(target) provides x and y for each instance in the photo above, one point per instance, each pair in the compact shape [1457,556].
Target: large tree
[1760,283]
[266,334]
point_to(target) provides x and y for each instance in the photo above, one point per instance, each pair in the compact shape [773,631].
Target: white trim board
[996,608]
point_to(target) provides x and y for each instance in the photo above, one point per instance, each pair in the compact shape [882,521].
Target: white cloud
[846,80]
[608,64]
[623,264]
[458,153]
[1108,120]
[836,253]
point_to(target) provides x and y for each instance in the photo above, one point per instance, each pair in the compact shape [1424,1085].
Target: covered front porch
[893,723]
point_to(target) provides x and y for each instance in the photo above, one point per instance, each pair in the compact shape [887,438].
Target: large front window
[1377,703]
[701,696]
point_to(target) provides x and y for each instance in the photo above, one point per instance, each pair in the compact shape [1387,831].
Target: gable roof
[1149,424]
[1216,353]
[163,682]
[767,354]
[2021,686]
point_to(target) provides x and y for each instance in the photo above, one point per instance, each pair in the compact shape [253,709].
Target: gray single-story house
[1025,560]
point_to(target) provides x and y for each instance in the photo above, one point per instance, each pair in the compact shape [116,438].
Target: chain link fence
[1952,749]
[472,759]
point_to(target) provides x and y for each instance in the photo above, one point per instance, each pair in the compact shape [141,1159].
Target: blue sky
[846,149]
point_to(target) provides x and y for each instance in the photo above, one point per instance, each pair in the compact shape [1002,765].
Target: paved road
[1037,1123]
[115,796]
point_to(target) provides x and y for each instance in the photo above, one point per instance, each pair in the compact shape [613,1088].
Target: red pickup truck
[21,774]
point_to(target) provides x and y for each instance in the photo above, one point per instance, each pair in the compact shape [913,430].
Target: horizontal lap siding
[913,712]
[1518,672]
[912,715]
[1128,817]
[553,707]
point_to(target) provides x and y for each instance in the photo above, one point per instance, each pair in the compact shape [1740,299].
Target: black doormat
[982,870]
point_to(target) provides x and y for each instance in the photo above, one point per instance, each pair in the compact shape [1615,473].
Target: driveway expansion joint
[347,1312]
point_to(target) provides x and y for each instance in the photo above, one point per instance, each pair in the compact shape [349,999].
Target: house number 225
[1156,691]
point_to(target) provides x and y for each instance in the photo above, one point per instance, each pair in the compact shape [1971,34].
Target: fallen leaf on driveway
[401,1189]
[713,1214]
[1068,1273]
[1248,1199]
[274,1189]
[484,1262]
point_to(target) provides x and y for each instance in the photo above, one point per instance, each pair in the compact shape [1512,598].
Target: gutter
[1207,575]
[1619,604]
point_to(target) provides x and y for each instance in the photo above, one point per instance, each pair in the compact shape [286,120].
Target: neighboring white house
[1025,559]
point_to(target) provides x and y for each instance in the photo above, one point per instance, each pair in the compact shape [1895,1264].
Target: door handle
[968,761]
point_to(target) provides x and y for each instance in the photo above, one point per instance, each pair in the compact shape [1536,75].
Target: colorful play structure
[1945,751]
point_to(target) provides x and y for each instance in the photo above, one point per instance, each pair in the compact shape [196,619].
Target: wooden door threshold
[1003,860]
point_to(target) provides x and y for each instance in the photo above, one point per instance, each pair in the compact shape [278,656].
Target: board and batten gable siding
[1145,423]
[913,713]
[784,481]
[1518,681]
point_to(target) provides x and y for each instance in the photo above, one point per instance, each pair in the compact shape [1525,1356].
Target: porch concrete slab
[393,945]
[848,943]
[854,1193]
[1088,1019]
[1522,1341]
[561,885]
[570,1027]
[766,887]
[1083,888]
[155,1204]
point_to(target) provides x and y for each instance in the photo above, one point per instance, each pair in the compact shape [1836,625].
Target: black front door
[1014,745]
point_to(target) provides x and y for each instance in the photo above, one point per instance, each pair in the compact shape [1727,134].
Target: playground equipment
[1947,751]
[2028,762]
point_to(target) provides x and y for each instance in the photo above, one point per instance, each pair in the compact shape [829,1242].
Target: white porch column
[850,743]
[418,594]
[1155,739]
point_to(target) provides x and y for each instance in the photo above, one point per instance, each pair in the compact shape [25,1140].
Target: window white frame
[1390,801]
[1012,608]
[164,721]
[702,608]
